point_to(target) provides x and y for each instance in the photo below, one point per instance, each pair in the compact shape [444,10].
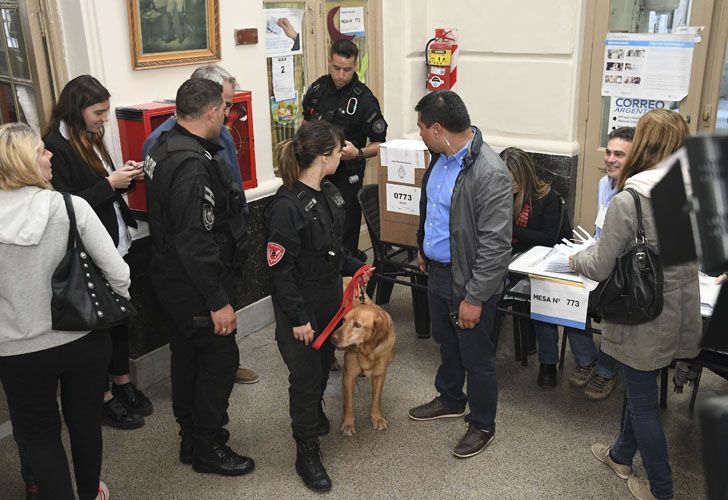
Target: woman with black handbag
[641,350]
[34,357]
[82,166]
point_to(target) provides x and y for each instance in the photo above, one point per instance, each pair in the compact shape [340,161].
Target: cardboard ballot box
[402,164]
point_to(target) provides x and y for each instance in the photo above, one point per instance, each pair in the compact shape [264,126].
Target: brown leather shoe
[246,376]
[473,442]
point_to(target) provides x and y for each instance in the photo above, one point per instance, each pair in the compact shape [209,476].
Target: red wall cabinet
[137,122]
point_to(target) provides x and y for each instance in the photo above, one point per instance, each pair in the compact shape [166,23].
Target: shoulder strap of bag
[73,235]
[640,228]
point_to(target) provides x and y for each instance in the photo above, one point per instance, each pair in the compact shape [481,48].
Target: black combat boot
[309,466]
[187,443]
[213,456]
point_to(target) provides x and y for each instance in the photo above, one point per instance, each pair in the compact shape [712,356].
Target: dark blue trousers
[466,354]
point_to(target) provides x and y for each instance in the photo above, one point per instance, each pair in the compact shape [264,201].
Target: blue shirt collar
[460,154]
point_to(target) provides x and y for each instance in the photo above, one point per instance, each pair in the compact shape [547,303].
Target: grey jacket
[480,222]
[33,239]
[676,332]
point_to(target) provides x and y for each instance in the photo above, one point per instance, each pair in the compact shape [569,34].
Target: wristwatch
[360,155]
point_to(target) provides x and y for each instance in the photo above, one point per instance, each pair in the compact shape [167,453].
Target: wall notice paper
[351,21]
[403,199]
[283,33]
[283,81]
[647,65]
[559,301]
[626,111]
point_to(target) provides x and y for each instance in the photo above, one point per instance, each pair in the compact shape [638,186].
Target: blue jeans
[465,353]
[582,346]
[642,430]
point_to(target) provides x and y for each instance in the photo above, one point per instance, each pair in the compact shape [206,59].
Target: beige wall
[96,36]
[518,70]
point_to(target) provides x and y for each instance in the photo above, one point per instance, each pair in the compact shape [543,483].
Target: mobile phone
[454,319]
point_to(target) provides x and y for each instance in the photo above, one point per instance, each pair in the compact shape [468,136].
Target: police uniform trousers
[352,210]
[308,367]
[203,371]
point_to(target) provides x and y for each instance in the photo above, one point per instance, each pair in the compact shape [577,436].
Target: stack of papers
[708,294]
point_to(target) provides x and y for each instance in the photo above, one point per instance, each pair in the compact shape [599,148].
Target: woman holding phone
[83,166]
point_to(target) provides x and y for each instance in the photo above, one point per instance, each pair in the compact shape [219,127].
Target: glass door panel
[360,39]
[8,111]
[286,116]
[721,121]
[640,16]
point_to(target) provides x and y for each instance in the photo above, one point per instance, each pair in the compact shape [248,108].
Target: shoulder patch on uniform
[208,216]
[206,194]
[274,253]
[379,126]
[338,200]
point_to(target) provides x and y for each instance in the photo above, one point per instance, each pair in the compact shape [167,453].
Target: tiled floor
[541,449]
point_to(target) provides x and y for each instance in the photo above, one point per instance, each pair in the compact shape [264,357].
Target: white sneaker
[103,491]
[601,453]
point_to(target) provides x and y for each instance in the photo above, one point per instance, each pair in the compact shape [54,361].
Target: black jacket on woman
[72,175]
[543,225]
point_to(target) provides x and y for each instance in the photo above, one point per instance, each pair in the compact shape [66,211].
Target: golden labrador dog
[368,339]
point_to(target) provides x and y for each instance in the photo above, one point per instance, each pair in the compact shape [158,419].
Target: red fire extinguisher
[441,55]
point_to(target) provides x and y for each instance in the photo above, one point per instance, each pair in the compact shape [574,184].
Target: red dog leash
[346,305]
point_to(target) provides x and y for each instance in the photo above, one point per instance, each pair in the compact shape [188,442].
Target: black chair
[393,263]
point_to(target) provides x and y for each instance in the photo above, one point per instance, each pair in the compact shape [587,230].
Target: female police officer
[306,259]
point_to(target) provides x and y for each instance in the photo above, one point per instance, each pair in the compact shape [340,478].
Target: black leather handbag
[632,294]
[82,298]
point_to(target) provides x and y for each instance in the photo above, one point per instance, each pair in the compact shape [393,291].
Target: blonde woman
[642,350]
[34,358]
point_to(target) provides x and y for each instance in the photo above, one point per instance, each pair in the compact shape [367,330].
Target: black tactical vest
[319,259]
[230,221]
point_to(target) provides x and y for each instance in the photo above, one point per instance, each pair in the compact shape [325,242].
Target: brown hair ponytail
[312,139]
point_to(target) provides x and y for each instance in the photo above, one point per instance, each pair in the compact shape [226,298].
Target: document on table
[708,294]
[543,260]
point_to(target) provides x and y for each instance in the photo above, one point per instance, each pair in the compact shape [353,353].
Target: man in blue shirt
[218,75]
[464,243]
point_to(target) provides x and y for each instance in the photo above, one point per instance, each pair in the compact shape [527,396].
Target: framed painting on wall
[173,32]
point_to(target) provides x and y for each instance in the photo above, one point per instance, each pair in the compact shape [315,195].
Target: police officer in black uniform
[306,258]
[340,98]
[197,221]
